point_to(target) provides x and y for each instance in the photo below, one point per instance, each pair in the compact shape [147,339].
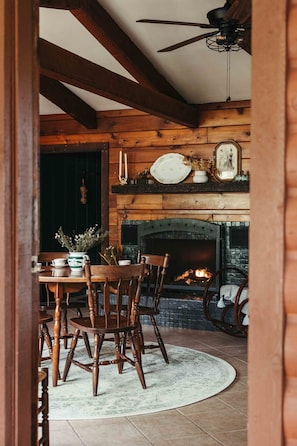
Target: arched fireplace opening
[193,245]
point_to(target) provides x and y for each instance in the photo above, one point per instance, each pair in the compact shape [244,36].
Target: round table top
[49,274]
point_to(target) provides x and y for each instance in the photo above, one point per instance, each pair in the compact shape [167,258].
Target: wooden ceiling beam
[62,65]
[101,25]
[60,4]
[71,104]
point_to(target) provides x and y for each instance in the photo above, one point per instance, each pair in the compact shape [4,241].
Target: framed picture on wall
[227,155]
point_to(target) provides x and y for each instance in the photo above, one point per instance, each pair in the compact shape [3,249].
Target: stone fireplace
[193,245]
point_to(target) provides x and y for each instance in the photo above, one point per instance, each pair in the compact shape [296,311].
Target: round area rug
[191,376]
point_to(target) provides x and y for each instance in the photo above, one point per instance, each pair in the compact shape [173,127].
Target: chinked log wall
[145,137]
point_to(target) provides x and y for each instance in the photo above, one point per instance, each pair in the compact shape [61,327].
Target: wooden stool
[42,408]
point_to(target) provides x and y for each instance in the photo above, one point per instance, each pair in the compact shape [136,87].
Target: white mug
[58,272]
[59,262]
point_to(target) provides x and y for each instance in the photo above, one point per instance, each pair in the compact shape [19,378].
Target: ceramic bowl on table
[124,262]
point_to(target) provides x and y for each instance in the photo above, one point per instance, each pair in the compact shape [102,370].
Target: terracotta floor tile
[237,438]
[199,440]
[225,420]
[167,425]
[62,434]
[109,432]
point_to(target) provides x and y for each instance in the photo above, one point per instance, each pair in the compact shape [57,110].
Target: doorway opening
[73,193]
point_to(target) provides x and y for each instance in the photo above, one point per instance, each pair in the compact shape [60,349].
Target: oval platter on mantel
[170,169]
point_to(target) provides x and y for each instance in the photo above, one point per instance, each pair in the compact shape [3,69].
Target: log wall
[145,138]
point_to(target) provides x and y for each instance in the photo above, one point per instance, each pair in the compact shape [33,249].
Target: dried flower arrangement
[90,238]
[110,255]
[144,174]
[199,163]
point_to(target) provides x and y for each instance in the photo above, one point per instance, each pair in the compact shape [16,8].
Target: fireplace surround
[192,244]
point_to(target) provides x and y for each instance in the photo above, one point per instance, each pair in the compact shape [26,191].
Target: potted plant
[79,244]
[144,177]
[200,166]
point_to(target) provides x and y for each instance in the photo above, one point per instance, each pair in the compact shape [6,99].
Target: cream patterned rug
[191,376]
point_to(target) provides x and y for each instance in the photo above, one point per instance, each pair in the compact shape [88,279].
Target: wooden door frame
[19,137]
[103,148]
[18,224]
[267,243]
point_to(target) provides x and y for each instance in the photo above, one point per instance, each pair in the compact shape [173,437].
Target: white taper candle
[126,165]
[120,164]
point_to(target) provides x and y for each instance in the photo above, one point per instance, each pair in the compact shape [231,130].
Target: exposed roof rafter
[60,4]
[62,65]
[152,94]
[71,104]
[101,25]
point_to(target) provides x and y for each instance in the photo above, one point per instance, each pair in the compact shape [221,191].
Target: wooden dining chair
[121,324]
[76,302]
[44,335]
[156,268]
[43,436]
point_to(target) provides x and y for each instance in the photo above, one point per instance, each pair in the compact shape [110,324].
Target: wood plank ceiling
[152,93]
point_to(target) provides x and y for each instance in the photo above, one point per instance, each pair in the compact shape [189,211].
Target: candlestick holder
[123,180]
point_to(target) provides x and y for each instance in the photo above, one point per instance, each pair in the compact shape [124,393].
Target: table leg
[57,331]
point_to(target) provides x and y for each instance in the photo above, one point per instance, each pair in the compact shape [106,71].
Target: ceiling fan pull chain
[228,99]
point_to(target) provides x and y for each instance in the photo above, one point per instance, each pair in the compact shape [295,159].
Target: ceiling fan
[231,23]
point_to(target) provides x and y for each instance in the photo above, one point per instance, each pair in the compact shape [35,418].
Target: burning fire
[193,276]
[203,273]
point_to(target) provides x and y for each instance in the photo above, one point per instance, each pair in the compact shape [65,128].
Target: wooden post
[266,274]
[19,123]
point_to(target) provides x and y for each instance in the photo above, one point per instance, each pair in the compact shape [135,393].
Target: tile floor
[220,420]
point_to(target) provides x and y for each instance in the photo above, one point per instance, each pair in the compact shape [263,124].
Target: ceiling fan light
[220,39]
[223,42]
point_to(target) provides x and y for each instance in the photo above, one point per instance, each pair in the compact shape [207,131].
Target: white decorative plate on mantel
[170,169]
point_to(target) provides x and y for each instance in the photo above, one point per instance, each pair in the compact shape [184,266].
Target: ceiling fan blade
[246,43]
[240,10]
[172,22]
[187,42]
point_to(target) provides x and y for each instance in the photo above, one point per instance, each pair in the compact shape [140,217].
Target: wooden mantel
[184,188]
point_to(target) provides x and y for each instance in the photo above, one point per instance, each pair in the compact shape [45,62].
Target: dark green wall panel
[60,181]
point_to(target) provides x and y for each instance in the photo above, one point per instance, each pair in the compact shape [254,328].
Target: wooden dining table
[60,281]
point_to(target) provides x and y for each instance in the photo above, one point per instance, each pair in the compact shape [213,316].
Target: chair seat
[142,310]
[147,311]
[45,317]
[84,324]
